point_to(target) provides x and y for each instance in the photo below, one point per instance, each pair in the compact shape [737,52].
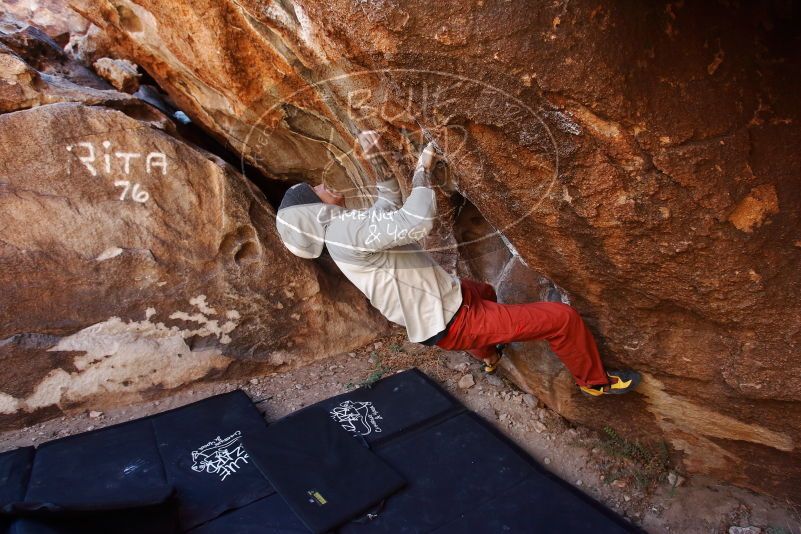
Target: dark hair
[299,194]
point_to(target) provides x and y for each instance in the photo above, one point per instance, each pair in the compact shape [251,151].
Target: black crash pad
[106,469]
[462,475]
[189,462]
[270,515]
[207,461]
[15,469]
[391,406]
[323,473]
[88,484]
[159,518]
[536,502]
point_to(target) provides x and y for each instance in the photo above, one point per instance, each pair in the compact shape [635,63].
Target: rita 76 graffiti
[114,161]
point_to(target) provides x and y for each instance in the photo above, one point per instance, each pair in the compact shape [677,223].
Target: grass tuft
[647,465]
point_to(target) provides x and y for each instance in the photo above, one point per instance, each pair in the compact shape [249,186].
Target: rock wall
[643,157]
[54,17]
[133,263]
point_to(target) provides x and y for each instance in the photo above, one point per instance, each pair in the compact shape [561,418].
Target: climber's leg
[488,354]
[484,290]
[482,324]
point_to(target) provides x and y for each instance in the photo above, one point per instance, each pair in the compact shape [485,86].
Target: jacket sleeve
[412,222]
[389,195]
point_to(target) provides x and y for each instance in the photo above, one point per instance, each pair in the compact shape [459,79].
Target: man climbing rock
[377,250]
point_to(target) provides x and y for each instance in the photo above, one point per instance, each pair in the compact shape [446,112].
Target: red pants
[481,323]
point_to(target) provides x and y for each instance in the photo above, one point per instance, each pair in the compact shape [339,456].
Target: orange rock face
[644,158]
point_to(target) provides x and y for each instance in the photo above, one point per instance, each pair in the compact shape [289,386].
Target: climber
[377,250]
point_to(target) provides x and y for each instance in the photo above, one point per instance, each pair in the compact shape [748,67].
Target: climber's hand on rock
[369,140]
[427,157]
[422,173]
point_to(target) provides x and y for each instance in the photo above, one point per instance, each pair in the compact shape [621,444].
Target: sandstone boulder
[644,158]
[44,55]
[53,16]
[133,263]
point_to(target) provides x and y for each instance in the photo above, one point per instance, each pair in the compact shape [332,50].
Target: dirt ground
[656,498]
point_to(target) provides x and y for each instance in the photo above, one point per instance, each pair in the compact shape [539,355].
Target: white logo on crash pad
[358,418]
[221,456]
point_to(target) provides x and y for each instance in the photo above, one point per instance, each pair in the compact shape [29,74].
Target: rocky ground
[635,479]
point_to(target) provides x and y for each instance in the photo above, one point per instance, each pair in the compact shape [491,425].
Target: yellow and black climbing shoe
[620,382]
[491,366]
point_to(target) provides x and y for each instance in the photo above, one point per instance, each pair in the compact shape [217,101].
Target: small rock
[626,498]
[254,381]
[411,347]
[461,367]
[183,118]
[745,530]
[466,382]
[94,414]
[503,416]
[377,345]
[619,483]
[530,400]
[547,461]
[579,483]
[539,428]
[90,427]
[120,73]
[494,380]
[298,386]
[675,480]
[352,354]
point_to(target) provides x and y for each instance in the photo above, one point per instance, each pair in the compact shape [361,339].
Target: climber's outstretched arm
[389,192]
[389,195]
[414,220]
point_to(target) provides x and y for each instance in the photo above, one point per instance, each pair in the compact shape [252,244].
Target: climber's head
[304,215]
[328,196]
